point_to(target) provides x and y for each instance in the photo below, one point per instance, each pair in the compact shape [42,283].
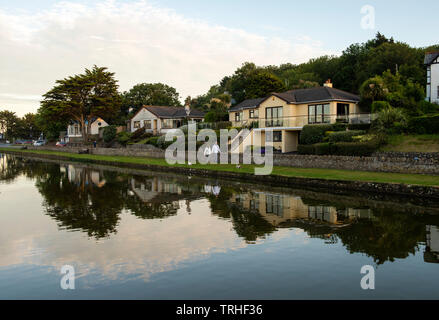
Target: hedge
[314,133]
[360,149]
[425,124]
[359,126]
[344,136]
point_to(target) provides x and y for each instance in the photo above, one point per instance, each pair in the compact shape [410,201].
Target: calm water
[145,235]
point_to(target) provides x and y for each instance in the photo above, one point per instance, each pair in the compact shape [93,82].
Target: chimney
[328,83]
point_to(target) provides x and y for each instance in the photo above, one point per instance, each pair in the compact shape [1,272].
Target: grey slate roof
[248,104]
[173,112]
[430,57]
[301,96]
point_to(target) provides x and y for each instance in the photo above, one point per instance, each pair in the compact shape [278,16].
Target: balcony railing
[301,121]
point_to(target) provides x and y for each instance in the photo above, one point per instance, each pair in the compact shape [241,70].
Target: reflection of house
[86,176]
[160,119]
[149,189]
[432,250]
[74,129]
[274,207]
[277,208]
[285,114]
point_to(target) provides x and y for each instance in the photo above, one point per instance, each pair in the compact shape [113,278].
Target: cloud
[139,41]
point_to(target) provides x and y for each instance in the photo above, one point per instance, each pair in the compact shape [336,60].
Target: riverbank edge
[426,192]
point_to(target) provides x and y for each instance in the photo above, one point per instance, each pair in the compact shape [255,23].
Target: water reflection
[93,199]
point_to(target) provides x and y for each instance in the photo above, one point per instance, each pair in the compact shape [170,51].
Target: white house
[432,63]
[160,119]
[74,129]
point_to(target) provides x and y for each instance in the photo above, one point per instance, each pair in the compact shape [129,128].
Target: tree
[153,94]
[9,123]
[83,98]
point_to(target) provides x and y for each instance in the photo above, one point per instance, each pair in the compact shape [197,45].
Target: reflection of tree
[247,224]
[155,210]
[82,205]
[387,237]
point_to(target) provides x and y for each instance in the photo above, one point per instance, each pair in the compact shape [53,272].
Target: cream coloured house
[285,114]
[160,119]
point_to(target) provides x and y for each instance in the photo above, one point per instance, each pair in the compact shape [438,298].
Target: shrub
[425,124]
[391,120]
[322,148]
[344,136]
[123,137]
[359,126]
[152,141]
[312,134]
[339,126]
[109,133]
[377,106]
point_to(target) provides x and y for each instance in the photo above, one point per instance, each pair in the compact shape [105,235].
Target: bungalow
[160,119]
[74,131]
[285,114]
[432,63]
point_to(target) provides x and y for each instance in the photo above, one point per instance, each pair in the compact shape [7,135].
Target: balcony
[299,122]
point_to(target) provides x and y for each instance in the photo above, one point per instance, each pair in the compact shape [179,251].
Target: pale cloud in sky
[139,41]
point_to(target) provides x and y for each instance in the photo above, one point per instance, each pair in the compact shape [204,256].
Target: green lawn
[413,143]
[328,174]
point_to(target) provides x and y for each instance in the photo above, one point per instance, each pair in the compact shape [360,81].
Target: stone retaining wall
[396,162]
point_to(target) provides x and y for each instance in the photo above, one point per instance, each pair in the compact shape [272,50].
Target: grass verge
[327,174]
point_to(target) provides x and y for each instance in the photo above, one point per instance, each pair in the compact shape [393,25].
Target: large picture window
[319,113]
[274,116]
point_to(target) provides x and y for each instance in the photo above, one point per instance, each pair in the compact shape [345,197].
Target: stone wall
[422,163]
[427,163]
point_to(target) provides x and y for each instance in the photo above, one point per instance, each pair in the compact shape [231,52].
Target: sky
[188,44]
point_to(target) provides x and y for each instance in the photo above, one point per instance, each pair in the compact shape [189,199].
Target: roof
[301,96]
[172,112]
[430,57]
[248,104]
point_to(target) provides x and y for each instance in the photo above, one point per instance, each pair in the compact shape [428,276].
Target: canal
[145,235]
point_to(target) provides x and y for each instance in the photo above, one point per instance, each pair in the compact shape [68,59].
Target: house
[74,131]
[432,63]
[285,114]
[160,119]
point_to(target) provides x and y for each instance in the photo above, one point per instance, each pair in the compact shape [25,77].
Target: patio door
[342,112]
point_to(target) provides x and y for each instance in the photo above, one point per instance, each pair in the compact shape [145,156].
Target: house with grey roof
[432,63]
[160,119]
[285,114]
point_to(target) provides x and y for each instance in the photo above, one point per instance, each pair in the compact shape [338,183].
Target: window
[277,136]
[274,117]
[147,124]
[428,75]
[136,124]
[254,113]
[238,116]
[319,113]
[274,205]
[168,123]
[438,92]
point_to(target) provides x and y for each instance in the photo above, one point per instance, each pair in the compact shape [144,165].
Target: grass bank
[412,143]
[325,174]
